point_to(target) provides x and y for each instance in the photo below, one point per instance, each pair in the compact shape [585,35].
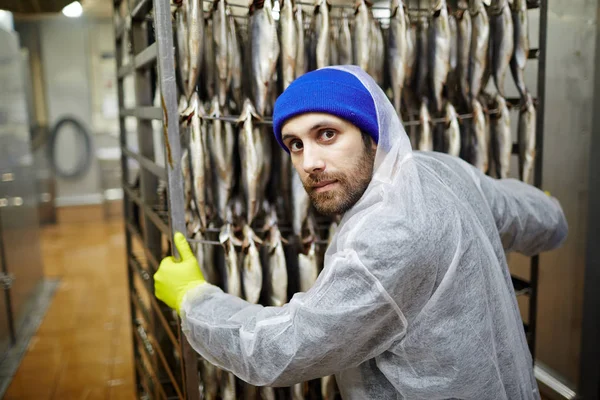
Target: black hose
[85,156]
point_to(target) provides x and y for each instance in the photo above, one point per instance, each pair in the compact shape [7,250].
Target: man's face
[334,162]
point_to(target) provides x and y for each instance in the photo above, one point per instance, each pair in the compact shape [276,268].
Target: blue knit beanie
[331,91]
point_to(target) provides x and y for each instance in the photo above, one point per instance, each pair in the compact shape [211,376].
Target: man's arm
[345,319]
[528,220]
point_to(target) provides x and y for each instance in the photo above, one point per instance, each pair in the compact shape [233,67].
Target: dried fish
[465,32]
[301,202]
[298,391]
[439,56]
[232,268]
[452,81]
[502,138]
[222,50]
[209,59]
[308,267]
[422,72]
[452,131]
[195,21]
[301,63]
[478,59]
[228,391]
[182,53]
[289,49]
[195,113]
[521,44]
[334,38]
[277,281]
[377,59]
[411,50]
[362,28]
[235,62]
[252,276]
[252,153]
[481,136]
[321,23]
[328,387]
[425,135]
[209,378]
[345,42]
[222,150]
[265,51]
[502,41]
[267,393]
[526,138]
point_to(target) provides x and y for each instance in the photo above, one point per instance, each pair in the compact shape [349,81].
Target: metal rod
[168,92]
[539,140]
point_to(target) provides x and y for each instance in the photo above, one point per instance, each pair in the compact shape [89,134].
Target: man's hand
[174,278]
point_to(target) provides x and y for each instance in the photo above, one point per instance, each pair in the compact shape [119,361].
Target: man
[415,300]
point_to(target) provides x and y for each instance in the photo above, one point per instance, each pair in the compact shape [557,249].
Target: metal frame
[165,363]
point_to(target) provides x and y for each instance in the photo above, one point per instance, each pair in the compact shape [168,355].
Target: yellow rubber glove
[174,278]
[547,193]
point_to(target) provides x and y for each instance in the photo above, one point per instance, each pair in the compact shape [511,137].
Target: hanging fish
[209,59]
[308,267]
[502,137]
[521,44]
[397,51]
[425,135]
[182,53]
[298,391]
[222,150]
[252,275]
[289,43]
[502,40]
[452,81]
[328,387]
[265,51]
[439,53]
[267,393]
[195,31]
[465,32]
[481,136]
[251,149]
[411,50]
[478,59]
[234,60]
[222,49]
[422,72]
[228,390]
[266,134]
[209,378]
[345,42]
[232,269]
[301,65]
[301,202]
[321,28]
[277,277]
[194,114]
[334,38]
[452,131]
[379,55]
[526,134]
[361,35]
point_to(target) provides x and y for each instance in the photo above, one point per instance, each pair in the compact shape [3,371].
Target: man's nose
[313,160]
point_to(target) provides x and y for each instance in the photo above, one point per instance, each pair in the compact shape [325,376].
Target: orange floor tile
[82,349]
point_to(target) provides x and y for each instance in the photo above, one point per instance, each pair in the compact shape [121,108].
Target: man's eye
[296,145]
[328,134]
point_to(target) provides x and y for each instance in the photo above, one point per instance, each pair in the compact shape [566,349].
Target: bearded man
[415,299]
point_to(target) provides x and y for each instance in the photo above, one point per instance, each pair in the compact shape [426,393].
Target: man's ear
[373,145]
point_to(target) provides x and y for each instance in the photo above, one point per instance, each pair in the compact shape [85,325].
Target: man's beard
[351,187]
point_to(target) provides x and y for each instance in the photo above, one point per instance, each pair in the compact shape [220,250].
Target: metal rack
[166,367]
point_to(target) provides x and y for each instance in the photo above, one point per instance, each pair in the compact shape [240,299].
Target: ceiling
[93,8]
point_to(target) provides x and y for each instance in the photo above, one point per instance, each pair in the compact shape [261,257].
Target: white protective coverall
[415,300]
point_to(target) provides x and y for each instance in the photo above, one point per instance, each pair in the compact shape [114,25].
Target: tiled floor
[82,349]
